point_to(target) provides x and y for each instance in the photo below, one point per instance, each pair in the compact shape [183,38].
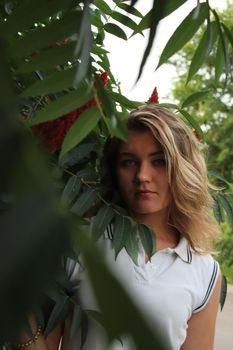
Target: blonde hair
[190,211]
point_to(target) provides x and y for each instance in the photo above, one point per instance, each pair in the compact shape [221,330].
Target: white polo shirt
[168,289]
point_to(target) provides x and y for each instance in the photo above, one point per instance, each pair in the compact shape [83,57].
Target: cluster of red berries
[53,132]
[154,96]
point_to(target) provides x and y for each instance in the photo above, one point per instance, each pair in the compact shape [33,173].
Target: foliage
[225,248]
[52,63]
[214,114]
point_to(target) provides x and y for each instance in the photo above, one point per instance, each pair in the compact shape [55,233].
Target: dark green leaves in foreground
[80,129]
[114,29]
[203,50]
[65,104]
[123,227]
[85,201]
[59,313]
[102,220]
[147,237]
[223,203]
[71,190]
[127,234]
[184,33]
[193,123]
[223,293]
[133,321]
[194,98]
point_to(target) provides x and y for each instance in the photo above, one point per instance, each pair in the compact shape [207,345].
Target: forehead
[140,142]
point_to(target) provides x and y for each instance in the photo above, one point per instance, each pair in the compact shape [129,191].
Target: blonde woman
[160,174]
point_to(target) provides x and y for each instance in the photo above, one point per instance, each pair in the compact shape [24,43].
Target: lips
[145,193]
[145,190]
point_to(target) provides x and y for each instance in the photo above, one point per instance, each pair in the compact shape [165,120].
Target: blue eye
[127,162]
[159,162]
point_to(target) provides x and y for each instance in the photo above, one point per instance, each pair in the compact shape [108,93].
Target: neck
[166,235]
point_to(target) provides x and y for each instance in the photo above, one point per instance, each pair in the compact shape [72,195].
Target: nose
[143,173]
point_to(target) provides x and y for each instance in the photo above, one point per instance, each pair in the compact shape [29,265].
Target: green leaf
[43,37]
[114,122]
[195,97]
[71,190]
[84,330]
[98,50]
[131,243]
[30,12]
[158,10]
[107,104]
[147,237]
[49,59]
[203,50]
[219,62]
[103,7]
[55,82]
[102,220]
[117,127]
[218,176]
[121,226]
[168,105]
[75,321]
[183,33]
[223,43]
[193,123]
[58,314]
[97,316]
[169,8]
[96,20]
[125,20]
[227,207]
[217,210]
[80,129]
[223,293]
[104,63]
[129,9]
[77,154]
[63,105]
[84,202]
[88,174]
[228,33]
[124,101]
[114,29]
[84,44]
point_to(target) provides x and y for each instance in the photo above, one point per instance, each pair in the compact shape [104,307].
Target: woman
[161,176]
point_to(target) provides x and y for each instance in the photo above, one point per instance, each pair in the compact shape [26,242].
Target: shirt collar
[183,250]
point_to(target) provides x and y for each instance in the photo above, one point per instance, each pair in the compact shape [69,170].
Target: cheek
[123,182]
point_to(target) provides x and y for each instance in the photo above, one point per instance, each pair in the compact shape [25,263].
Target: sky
[125,56]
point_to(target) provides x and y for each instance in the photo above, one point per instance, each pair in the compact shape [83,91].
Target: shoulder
[206,272]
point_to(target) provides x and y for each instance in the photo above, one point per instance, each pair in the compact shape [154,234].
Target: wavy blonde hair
[190,211]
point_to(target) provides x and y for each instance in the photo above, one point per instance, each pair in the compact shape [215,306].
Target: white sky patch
[125,56]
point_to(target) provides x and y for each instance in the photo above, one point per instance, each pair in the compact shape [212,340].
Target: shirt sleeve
[208,275]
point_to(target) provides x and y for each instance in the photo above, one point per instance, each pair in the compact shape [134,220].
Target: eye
[159,162]
[127,162]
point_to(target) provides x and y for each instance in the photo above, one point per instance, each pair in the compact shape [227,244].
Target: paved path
[224,329]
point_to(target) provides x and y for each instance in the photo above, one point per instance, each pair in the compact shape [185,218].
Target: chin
[146,211]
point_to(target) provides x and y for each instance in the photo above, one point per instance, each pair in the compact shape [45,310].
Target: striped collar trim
[183,250]
[109,232]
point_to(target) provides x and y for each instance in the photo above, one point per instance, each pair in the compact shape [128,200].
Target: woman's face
[142,175]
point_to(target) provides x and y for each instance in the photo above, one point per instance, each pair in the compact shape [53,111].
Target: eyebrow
[129,154]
